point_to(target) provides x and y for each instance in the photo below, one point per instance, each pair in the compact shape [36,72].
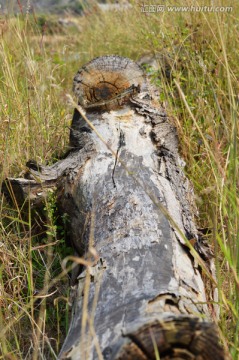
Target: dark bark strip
[148,290]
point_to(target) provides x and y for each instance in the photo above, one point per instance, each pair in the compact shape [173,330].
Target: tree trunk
[131,216]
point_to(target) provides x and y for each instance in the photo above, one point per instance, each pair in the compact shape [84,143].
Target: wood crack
[138,343]
[121,143]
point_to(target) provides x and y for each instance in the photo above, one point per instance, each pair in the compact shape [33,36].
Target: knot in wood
[108,81]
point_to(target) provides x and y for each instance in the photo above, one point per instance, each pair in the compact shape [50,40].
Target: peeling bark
[145,291]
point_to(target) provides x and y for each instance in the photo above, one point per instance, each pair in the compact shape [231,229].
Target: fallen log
[131,216]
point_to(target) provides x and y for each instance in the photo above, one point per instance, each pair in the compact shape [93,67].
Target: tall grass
[201,97]
[33,118]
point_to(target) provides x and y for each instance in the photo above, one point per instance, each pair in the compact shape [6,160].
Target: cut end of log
[178,338]
[175,338]
[108,81]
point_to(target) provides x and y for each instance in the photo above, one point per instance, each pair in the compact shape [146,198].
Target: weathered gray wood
[144,284]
